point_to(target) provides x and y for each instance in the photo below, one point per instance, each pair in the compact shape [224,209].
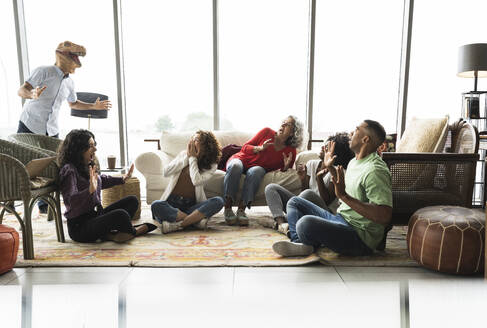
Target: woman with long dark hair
[81,186]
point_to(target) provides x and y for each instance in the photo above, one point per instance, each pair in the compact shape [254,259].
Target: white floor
[310,296]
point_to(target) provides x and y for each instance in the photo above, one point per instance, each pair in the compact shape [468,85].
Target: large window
[357,62]
[168,49]
[434,88]
[88,23]
[263,54]
[10,103]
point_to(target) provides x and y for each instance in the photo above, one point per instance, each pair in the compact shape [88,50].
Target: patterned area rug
[220,245]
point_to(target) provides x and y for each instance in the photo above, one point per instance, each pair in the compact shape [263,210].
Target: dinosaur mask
[67,56]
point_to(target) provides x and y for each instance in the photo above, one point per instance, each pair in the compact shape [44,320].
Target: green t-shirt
[369,181]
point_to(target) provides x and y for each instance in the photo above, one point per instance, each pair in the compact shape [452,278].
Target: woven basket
[113,194]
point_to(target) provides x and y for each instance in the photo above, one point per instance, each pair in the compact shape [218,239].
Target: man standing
[46,89]
[366,209]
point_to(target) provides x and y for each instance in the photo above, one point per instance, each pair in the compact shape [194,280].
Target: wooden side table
[113,194]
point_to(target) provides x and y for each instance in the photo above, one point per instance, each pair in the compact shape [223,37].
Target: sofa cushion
[173,143]
[288,179]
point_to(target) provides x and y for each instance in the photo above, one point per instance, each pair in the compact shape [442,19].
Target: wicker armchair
[47,144]
[16,185]
[427,179]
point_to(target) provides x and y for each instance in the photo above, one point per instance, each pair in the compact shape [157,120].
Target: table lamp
[472,62]
[90,97]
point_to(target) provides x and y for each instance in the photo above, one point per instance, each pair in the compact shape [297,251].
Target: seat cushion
[40,182]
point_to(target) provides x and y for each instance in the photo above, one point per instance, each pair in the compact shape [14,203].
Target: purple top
[76,190]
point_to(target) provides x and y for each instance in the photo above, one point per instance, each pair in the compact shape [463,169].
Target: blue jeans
[231,182]
[311,225]
[24,129]
[167,210]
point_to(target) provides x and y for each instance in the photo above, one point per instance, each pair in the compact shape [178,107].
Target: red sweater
[269,159]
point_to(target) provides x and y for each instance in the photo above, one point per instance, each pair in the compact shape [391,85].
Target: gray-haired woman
[267,151]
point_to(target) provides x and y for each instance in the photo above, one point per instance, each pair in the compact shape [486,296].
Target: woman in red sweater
[267,151]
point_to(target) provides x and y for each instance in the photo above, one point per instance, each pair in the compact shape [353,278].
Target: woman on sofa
[184,202]
[316,183]
[267,151]
[81,187]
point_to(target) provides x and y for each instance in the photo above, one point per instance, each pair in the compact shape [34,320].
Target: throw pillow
[227,152]
[424,136]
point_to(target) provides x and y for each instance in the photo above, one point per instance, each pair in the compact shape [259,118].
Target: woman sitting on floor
[316,184]
[81,187]
[267,151]
[184,201]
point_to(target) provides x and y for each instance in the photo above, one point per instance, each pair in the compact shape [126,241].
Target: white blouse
[173,170]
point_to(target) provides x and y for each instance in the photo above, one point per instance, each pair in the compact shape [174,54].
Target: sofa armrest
[151,162]
[305,156]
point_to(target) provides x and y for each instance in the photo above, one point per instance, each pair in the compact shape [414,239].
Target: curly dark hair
[342,148]
[212,150]
[72,149]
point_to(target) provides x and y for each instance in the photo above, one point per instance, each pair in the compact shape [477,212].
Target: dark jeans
[91,226]
[311,225]
[167,210]
[23,129]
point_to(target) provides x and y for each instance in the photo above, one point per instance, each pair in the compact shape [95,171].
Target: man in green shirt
[366,209]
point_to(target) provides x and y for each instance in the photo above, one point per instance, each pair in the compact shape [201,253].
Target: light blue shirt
[41,115]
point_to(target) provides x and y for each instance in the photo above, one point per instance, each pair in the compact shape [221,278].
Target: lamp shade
[90,97]
[472,58]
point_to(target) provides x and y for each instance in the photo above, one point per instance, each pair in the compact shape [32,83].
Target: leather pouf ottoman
[9,246]
[447,239]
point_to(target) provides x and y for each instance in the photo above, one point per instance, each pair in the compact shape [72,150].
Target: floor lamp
[90,97]
[472,63]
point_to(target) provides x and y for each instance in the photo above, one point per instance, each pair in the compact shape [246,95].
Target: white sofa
[150,164]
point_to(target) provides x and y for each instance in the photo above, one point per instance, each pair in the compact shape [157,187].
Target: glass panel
[90,24]
[168,68]
[263,54]
[10,103]
[357,62]
[434,88]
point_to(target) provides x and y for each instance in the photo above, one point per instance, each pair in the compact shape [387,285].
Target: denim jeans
[231,182]
[24,129]
[311,225]
[277,197]
[167,210]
